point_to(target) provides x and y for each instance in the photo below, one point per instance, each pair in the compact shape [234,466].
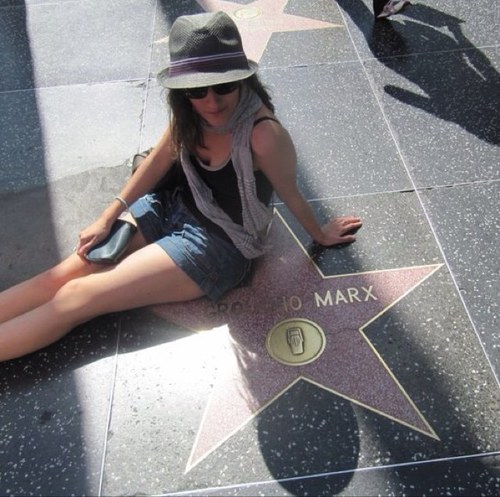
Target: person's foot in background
[393,7]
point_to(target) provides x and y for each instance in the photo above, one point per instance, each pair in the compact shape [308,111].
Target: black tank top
[224,185]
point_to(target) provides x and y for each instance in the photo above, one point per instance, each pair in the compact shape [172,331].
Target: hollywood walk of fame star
[258,20]
[286,285]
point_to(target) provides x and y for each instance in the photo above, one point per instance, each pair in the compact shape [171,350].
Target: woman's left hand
[340,230]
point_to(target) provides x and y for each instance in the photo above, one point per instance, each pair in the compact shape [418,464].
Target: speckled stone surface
[395,121]
[344,152]
[425,106]
[426,27]
[35,149]
[54,407]
[466,220]
[97,42]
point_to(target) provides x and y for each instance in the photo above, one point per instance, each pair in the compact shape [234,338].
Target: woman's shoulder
[264,114]
[267,132]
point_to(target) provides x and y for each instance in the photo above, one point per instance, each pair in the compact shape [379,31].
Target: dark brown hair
[185,122]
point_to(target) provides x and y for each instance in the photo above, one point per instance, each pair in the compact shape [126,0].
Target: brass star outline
[343,305]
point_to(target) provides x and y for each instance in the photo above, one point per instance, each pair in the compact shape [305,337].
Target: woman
[198,231]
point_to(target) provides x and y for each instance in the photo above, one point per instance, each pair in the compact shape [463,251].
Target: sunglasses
[222,89]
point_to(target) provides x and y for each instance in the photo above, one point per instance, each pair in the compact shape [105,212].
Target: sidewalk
[399,392]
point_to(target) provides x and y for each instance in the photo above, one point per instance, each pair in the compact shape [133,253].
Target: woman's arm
[149,173]
[274,154]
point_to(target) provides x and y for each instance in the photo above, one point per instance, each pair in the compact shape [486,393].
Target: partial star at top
[258,20]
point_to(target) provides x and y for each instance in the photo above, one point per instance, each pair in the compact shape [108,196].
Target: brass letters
[348,296]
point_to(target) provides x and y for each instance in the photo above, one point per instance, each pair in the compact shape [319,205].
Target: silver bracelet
[123,202]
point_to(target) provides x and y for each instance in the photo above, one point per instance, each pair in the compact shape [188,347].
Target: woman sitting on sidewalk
[197,232]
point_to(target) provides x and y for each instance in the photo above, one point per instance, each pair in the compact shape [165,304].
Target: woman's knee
[79,300]
[70,268]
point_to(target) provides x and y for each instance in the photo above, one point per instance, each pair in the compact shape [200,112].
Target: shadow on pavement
[460,88]
[41,446]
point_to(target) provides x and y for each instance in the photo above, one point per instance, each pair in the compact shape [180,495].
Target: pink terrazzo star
[288,285]
[258,20]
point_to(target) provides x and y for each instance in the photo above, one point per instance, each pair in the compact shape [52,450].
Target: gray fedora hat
[205,49]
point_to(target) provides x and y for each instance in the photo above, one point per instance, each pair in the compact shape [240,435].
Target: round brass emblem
[295,342]
[247,13]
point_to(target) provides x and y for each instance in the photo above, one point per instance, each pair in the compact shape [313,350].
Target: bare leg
[148,276]
[38,290]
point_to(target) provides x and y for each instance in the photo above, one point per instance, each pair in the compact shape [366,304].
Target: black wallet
[114,245]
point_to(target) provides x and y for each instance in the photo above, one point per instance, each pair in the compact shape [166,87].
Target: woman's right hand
[92,235]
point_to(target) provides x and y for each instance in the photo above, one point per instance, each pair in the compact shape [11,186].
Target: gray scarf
[250,237]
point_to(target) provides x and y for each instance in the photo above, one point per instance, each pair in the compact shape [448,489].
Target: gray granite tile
[156,115]
[447,127]
[466,222]
[428,343]
[41,226]
[15,53]
[78,42]
[342,141]
[21,142]
[164,378]
[27,218]
[50,133]
[427,26]
[53,414]
[54,403]
[395,234]
[334,46]
[468,476]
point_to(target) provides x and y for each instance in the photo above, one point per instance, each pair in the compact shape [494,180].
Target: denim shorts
[213,263]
